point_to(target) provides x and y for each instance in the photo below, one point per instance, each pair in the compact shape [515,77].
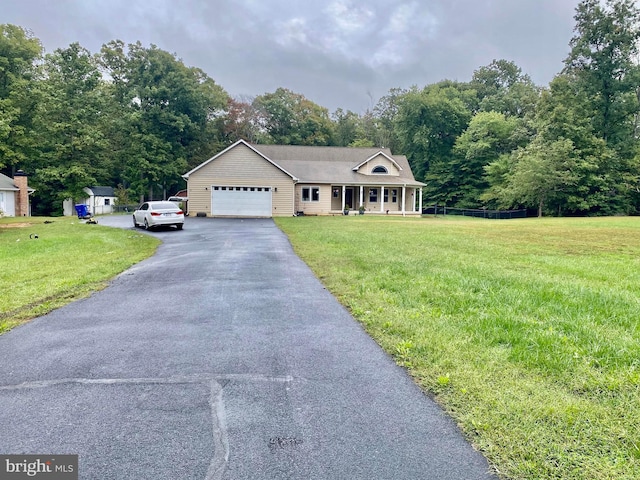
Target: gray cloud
[338,53]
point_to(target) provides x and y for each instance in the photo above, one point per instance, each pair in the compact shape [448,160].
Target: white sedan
[155,214]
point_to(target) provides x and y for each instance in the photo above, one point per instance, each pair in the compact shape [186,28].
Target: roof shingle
[6,183]
[334,164]
[103,191]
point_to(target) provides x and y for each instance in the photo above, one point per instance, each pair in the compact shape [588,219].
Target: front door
[348,198]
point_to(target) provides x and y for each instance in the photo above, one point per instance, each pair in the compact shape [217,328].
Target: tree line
[137,117]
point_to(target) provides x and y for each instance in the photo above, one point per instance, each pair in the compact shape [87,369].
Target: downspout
[186,179]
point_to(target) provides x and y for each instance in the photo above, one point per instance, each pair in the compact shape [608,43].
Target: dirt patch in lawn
[14,225]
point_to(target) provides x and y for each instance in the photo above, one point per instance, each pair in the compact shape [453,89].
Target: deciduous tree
[291,119]
[541,174]
[167,111]
[502,87]
[488,136]
[19,95]
[73,148]
[428,123]
[603,59]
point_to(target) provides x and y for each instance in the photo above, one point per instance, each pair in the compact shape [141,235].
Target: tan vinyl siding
[240,166]
[321,207]
[408,205]
[388,205]
[380,160]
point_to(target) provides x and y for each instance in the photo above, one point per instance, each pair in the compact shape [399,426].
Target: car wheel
[146,224]
[135,224]
[179,226]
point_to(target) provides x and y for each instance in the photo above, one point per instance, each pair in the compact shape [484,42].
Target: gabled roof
[239,142]
[326,165]
[102,191]
[6,183]
[336,165]
[357,167]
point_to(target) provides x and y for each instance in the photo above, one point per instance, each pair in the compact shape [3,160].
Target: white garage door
[241,201]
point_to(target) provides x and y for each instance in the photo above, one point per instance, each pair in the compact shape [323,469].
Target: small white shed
[100,201]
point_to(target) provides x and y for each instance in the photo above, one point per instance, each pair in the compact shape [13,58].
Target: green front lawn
[68,260]
[526,331]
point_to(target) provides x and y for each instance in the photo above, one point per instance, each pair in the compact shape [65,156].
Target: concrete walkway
[221,357]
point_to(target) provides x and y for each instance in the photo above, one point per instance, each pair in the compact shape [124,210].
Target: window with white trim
[380,169]
[310,194]
[394,195]
[373,195]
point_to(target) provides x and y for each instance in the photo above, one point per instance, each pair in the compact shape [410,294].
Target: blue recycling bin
[82,210]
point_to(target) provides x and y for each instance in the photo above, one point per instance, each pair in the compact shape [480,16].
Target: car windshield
[164,206]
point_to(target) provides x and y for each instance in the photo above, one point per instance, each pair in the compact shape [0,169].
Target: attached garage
[240,182]
[241,201]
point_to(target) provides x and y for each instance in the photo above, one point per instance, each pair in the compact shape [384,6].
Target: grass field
[526,331]
[68,260]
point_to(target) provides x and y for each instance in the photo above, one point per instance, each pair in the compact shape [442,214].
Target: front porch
[376,199]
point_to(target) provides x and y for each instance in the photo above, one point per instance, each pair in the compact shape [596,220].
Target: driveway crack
[220,456]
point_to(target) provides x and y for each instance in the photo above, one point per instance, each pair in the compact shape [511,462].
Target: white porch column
[361,196]
[404,199]
[344,193]
[382,199]
[420,204]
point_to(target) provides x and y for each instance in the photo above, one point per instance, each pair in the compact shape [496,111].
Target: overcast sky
[337,53]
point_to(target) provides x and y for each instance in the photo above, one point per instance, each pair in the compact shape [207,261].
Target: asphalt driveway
[221,357]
